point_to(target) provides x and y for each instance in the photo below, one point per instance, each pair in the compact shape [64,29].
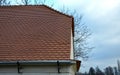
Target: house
[36,40]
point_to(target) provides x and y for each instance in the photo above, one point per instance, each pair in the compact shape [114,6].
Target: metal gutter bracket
[58,66]
[19,67]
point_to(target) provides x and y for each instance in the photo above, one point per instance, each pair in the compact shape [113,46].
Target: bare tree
[25,2]
[118,63]
[4,2]
[81,48]
[35,2]
[81,34]
[39,2]
[109,71]
[91,71]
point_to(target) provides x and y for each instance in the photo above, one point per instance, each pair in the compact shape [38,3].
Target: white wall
[36,70]
[72,53]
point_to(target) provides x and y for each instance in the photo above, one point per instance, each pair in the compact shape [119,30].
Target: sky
[103,19]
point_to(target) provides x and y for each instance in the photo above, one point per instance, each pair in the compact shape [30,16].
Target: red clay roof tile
[34,33]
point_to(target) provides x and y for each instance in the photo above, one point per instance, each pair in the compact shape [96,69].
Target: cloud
[70,2]
[113,41]
[96,8]
[99,8]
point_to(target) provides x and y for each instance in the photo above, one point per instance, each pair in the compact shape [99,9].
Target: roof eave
[38,62]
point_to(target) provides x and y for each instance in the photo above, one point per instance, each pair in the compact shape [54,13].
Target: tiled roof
[34,33]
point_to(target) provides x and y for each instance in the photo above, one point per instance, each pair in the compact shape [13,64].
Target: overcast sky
[103,18]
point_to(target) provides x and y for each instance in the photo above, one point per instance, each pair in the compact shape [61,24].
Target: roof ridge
[40,5]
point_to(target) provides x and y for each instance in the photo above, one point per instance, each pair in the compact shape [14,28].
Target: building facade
[36,40]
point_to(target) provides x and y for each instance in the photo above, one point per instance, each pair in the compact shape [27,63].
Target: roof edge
[57,11]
